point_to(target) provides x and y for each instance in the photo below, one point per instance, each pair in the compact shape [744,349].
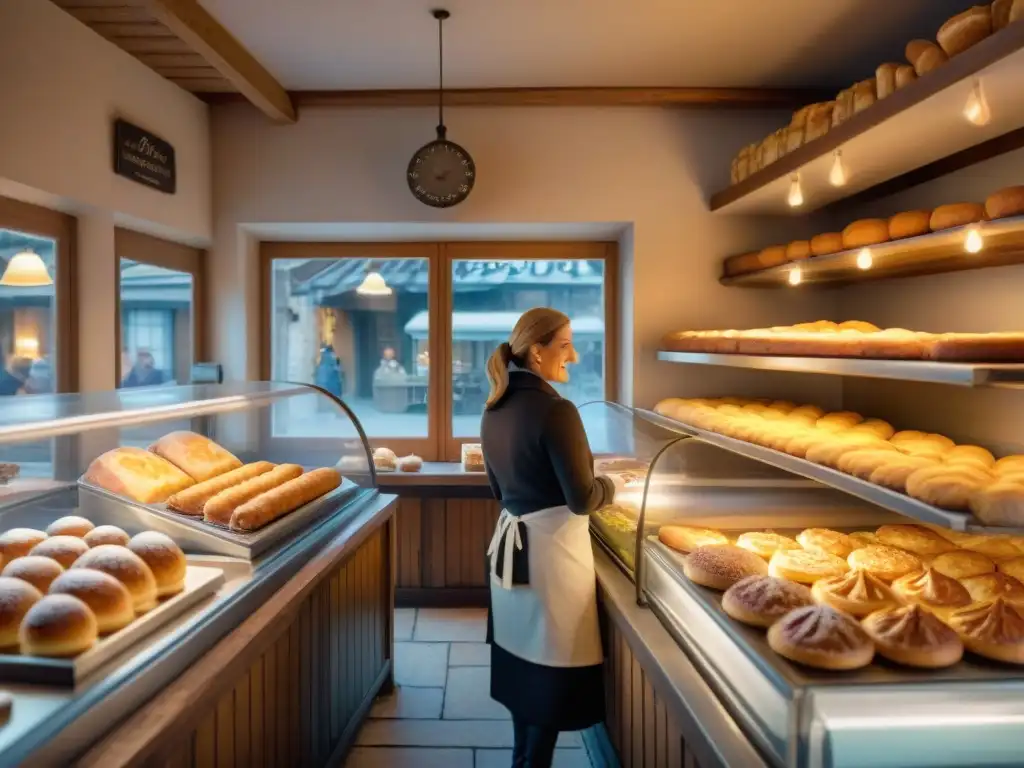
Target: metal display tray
[200,582]
[754,644]
[195,535]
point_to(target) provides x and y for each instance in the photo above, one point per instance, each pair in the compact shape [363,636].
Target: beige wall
[649,169]
[62,85]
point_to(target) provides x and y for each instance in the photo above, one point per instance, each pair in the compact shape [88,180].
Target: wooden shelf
[910,129]
[924,255]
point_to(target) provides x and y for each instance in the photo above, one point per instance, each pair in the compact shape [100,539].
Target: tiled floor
[441,714]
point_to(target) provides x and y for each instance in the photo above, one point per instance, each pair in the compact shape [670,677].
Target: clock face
[441,174]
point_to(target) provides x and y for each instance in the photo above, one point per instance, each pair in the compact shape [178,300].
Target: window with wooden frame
[402,331]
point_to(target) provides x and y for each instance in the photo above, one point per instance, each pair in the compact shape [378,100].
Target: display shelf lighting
[795,276]
[837,175]
[865,259]
[374,285]
[26,270]
[973,241]
[795,198]
[976,109]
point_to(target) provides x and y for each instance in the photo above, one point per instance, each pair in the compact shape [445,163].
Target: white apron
[553,619]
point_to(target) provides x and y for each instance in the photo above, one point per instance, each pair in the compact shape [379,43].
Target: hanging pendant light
[795,198]
[26,270]
[373,284]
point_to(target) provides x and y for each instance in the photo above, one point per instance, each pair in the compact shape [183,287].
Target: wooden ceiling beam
[205,35]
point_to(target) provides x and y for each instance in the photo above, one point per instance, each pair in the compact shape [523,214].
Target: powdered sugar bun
[37,571]
[128,568]
[164,558]
[107,598]
[71,525]
[59,626]
[16,597]
[18,542]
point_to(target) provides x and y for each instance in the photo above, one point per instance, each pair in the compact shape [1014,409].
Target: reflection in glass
[357,347]
[487,299]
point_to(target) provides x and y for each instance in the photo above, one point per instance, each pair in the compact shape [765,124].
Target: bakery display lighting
[864,259]
[795,198]
[976,109]
[973,241]
[837,175]
[796,276]
[26,270]
[373,285]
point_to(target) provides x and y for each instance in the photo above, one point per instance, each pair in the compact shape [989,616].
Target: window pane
[156,325]
[487,299]
[369,349]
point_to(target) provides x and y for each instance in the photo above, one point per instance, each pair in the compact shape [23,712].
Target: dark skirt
[561,698]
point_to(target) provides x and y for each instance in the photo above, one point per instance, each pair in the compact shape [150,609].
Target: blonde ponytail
[535,326]
[497,373]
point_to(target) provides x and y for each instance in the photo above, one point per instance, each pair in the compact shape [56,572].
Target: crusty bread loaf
[198,457]
[794,138]
[956,215]
[220,507]
[769,150]
[865,232]
[909,224]
[742,263]
[819,120]
[843,107]
[826,243]
[191,500]
[925,56]
[905,75]
[269,506]
[137,474]
[978,347]
[1006,202]
[797,250]
[1001,13]
[885,80]
[773,256]
[864,95]
[965,29]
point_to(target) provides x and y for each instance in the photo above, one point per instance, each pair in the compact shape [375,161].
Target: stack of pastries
[854,339]
[915,595]
[63,588]
[927,466]
[195,476]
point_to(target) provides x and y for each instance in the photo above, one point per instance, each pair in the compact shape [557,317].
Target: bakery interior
[244,341]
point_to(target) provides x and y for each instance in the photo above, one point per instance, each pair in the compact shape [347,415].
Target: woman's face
[551,361]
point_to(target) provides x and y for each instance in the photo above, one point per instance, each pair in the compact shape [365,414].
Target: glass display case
[880,715]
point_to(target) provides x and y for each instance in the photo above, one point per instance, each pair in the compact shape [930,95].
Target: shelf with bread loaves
[143,526]
[956,95]
[833,631]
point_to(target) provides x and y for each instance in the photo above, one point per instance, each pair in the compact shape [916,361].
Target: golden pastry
[999,503]
[71,525]
[962,564]
[719,566]
[830,452]
[1010,464]
[765,544]
[995,547]
[838,421]
[800,443]
[912,436]
[989,586]
[1014,568]
[825,540]
[760,601]
[884,562]
[933,591]
[914,538]
[18,542]
[947,486]
[894,473]
[912,636]
[58,626]
[64,549]
[805,566]
[863,461]
[970,454]
[877,427]
[16,597]
[993,629]
[822,637]
[861,539]
[857,593]
[36,570]
[923,449]
[684,538]
[807,411]
[947,533]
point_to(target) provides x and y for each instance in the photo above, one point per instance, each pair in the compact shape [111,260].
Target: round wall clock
[441,174]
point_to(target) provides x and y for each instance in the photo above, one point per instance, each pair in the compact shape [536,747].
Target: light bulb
[837,176]
[976,109]
[974,242]
[795,276]
[795,198]
[864,259]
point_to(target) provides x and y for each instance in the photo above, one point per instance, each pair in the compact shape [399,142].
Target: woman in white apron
[546,656]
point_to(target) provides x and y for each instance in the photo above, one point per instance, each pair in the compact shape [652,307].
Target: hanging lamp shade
[373,285]
[26,270]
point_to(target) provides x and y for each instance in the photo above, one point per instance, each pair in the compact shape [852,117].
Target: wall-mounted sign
[143,157]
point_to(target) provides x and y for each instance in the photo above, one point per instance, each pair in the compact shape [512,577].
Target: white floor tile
[487,734]
[424,665]
[468,696]
[410,704]
[389,757]
[405,620]
[459,624]
[502,758]
[469,655]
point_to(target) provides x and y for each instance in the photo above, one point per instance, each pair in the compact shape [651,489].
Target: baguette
[191,500]
[1005,202]
[909,224]
[283,499]
[925,56]
[965,29]
[956,215]
[826,243]
[220,507]
[865,232]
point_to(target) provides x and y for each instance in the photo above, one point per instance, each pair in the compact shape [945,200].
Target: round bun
[883,562]
[107,534]
[72,525]
[765,544]
[995,547]
[411,463]
[64,549]
[993,629]
[962,564]
[762,600]
[894,473]
[384,459]
[684,538]
[825,540]
[164,558]
[1014,568]
[128,568]
[805,566]
[970,454]
[821,637]
[949,486]
[914,538]
[719,566]
[36,570]
[58,625]
[989,586]
[857,593]
[106,597]
[912,636]
[18,542]
[16,597]
[1000,502]
[933,591]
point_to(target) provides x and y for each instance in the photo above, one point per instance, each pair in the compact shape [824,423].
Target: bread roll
[992,629]
[760,601]
[765,544]
[909,224]
[411,463]
[994,547]
[71,525]
[798,250]
[857,593]
[914,538]
[885,80]
[819,120]
[1001,13]
[914,637]
[865,232]
[219,508]
[769,149]
[965,29]
[18,542]
[195,455]
[1000,503]
[1014,568]
[894,473]
[16,597]
[107,598]
[949,487]
[805,566]
[685,538]
[137,474]
[719,566]
[884,562]
[989,586]
[125,566]
[925,56]
[794,138]
[933,591]
[742,264]
[191,500]
[826,243]
[59,626]
[956,215]
[822,637]
[864,95]
[64,549]
[279,501]
[34,569]
[106,534]
[773,256]
[164,558]
[1006,202]
[962,564]
[905,75]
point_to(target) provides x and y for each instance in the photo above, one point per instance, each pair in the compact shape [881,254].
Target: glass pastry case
[195,503]
[807,713]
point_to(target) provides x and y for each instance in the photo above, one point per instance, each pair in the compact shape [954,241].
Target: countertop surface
[435,473]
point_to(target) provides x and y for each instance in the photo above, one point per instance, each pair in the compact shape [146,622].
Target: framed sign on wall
[144,157]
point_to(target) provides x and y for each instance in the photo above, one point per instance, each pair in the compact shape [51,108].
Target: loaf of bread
[286,498]
[773,256]
[782,135]
[1006,202]
[219,508]
[769,150]
[965,29]
[794,138]
[865,232]
[978,347]
[826,243]
[191,500]
[864,95]
[909,224]
[742,263]
[819,120]
[885,80]
[956,215]
[197,456]
[137,474]
[925,56]
[905,75]
[1001,13]
[843,107]
[798,250]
